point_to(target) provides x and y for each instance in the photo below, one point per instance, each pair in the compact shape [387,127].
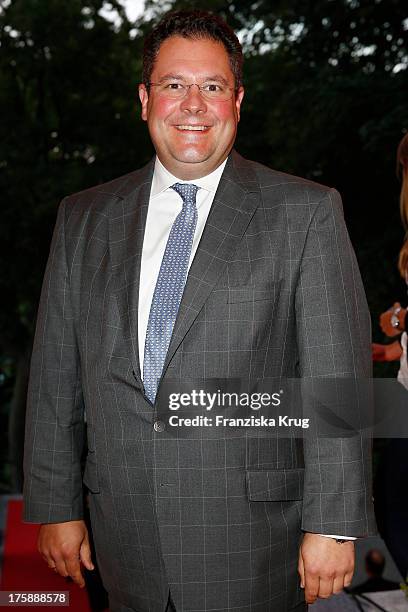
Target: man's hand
[385,320]
[325,567]
[63,546]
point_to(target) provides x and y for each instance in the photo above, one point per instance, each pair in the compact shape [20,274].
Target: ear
[144,98]
[238,100]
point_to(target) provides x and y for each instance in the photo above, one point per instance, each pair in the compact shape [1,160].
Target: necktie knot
[187,191]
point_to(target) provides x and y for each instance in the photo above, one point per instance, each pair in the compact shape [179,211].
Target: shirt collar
[163,179]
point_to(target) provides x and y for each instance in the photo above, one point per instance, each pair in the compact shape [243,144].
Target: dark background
[326,98]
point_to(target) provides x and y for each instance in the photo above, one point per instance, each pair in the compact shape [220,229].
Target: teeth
[199,128]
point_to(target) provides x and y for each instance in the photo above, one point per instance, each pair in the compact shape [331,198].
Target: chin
[192,156]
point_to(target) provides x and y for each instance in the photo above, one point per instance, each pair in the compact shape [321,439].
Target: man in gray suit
[200,265]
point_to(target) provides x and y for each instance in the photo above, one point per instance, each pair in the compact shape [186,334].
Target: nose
[193,101]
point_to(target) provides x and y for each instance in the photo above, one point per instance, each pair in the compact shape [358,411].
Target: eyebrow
[181,77]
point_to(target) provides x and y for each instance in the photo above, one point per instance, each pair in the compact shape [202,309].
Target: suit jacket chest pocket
[250,307]
[235,321]
[245,294]
[250,311]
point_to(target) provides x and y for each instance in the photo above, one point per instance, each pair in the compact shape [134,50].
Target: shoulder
[101,198]
[288,189]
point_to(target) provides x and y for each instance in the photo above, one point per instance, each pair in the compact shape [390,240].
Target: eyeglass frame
[187,88]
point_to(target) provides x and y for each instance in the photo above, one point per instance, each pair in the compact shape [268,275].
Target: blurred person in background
[392,321]
[375,565]
[391,481]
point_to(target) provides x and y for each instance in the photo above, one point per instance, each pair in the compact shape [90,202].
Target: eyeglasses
[175,90]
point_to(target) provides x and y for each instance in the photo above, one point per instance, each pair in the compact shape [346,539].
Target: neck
[190,172]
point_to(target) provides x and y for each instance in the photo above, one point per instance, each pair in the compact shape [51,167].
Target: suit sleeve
[334,339]
[54,433]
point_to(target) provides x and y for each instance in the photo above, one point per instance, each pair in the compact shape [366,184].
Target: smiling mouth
[192,128]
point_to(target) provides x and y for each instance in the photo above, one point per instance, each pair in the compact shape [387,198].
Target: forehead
[192,57]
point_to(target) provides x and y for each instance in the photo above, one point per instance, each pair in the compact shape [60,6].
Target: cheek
[160,110]
[225,114]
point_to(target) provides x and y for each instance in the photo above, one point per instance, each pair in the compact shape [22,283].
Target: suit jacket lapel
[235,202]
[126,232]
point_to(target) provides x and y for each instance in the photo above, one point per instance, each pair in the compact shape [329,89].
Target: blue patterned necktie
[169,289]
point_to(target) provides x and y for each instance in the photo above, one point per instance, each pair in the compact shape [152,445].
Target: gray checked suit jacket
[274,290]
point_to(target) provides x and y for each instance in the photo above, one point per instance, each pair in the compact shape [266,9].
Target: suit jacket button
[159,426]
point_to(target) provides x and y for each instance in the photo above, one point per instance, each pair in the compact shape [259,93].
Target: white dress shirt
[164,206]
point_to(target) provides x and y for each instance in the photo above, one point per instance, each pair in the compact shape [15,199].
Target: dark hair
[375,562]
[193,24]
